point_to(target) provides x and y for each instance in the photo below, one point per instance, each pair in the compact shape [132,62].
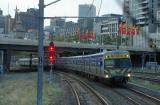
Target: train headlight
[107,76]
[127,56]
[129,75]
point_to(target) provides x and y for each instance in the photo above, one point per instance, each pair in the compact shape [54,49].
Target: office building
[143,13]
[87,10]
[56,24]
[27,20]
[1,12]
[2,24]
[6,23]
[158,21]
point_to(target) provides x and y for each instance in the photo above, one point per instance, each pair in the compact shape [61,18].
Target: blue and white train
[110,65]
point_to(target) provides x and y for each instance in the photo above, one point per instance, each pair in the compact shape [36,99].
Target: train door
[1,61]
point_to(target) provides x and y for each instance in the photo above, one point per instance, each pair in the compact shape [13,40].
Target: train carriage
[110,65]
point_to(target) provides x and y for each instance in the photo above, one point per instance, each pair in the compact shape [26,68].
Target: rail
[101,99]
[154,99]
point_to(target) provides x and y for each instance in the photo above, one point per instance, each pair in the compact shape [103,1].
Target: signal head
[51,47]
[51,58]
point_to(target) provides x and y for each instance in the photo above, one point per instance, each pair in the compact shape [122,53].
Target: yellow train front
[117,66]
[112,66]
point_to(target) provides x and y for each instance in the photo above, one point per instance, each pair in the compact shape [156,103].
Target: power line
[93,17]
[100,8]
[90,7]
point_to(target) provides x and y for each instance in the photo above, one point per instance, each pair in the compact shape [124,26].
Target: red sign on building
[125,29]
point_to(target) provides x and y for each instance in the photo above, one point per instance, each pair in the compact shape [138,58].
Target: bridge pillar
[30,60]
[7,60]
[143,60]
[1,61]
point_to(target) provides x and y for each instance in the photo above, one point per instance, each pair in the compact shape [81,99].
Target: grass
[21,89]
[148,84]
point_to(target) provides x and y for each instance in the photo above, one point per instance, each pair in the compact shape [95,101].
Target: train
[29,64]
[113,66]
[27,61]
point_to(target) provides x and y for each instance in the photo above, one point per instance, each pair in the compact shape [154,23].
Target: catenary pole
[40,53]
[41,50]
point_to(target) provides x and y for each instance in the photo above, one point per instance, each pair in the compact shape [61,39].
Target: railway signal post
[51,58]
[41,50]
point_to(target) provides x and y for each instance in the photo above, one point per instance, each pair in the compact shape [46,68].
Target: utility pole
[40,53]
[41,50]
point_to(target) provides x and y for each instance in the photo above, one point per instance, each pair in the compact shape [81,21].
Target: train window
[80,62]
[109,63]
[77,61]
[87,62]
[118,63]
[93,62]
[99,63]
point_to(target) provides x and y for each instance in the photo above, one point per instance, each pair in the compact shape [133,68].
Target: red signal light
[51,58]
[51,47]
[51,52]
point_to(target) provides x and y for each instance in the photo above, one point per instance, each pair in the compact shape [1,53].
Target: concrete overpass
[7,46]
[21,44]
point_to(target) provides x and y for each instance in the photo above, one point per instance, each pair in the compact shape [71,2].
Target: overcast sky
[61,8]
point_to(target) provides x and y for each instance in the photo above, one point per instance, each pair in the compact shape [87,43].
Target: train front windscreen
[118,63]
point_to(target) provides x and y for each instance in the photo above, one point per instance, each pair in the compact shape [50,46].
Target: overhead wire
[100,8]
[90,7]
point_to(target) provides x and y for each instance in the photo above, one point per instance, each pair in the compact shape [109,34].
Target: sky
[61,8]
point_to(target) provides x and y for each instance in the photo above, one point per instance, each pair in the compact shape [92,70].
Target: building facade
[56,25]
[28,19]
[6,23]
[107,28]
[143,13]
[158,21]
[87,10]
[69,31]
[2,22]
[26,24]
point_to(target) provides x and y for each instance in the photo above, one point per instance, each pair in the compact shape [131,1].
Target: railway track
[154,99]
[147,73]
[130,99]
[153,77]
[131,95]
[74,91]
[156,80]
[141,93]
[90,91]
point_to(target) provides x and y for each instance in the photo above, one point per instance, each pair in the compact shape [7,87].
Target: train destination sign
[111,56]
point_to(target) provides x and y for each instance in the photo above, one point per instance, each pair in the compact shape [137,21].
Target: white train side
[110,65]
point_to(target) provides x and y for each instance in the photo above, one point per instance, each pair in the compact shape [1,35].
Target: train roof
[98,54]
[27,59]
[23,59]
